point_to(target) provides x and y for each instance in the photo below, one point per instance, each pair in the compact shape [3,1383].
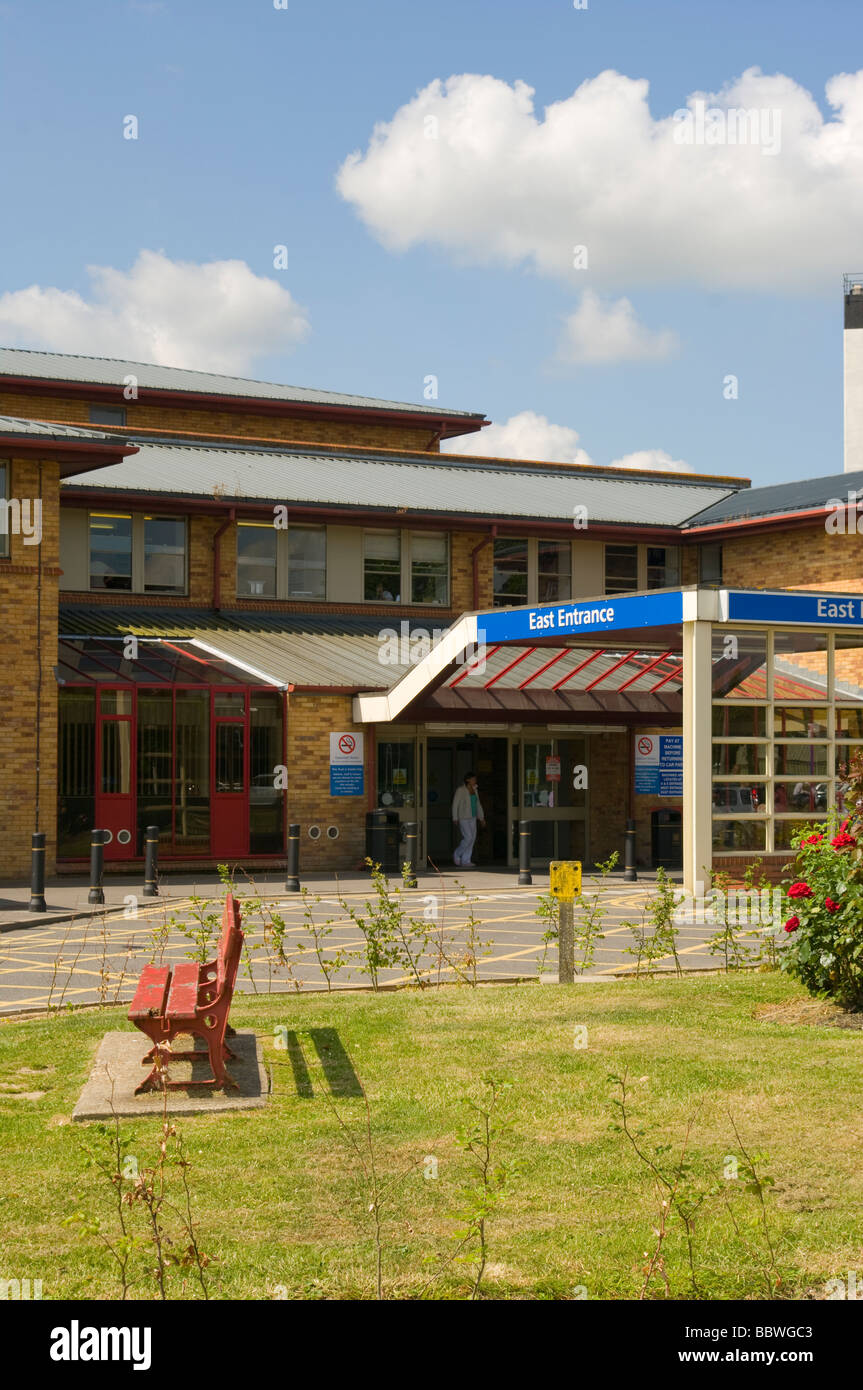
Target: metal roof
[304,659]
[432,483]
[11,424]
[804,495]
[110,620]
[282,649]
[109,371]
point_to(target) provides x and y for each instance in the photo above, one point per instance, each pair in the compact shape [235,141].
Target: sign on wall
[659,764]
[346,765]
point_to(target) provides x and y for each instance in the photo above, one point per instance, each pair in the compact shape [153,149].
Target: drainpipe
[217,556]
[474,558]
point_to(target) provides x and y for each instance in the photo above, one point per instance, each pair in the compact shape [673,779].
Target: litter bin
[382,839]
[666,839]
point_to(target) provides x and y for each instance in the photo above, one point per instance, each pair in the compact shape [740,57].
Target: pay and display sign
[659,764]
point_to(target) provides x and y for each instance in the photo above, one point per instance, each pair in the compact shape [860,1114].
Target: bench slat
[152,991]
[183,999]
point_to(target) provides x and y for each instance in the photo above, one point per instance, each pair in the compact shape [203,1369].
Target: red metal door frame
[229,819]
[116,812]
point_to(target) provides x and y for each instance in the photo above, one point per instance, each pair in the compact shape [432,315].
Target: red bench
[190,998]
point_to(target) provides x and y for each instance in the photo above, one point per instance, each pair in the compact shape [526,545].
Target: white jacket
[461,805]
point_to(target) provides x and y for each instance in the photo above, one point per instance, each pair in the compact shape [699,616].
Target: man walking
[466,810]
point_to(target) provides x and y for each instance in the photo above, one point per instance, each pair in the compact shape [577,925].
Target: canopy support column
[697,757]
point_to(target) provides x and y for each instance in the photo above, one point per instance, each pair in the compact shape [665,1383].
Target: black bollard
[37,872]
[97,866]
[525,879]
[292,882]
[151,861]
[410,873]
[629,871]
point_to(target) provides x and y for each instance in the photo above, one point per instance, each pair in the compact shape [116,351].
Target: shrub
[824,913]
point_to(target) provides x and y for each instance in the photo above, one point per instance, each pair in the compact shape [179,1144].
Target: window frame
[137,553]
[109,409]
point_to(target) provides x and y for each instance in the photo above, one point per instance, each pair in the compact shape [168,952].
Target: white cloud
[655,459]
[468,165]
[529,435]
[219,316]
[606,331]
[523,436]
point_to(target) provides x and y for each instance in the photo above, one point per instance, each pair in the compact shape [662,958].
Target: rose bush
[823,929]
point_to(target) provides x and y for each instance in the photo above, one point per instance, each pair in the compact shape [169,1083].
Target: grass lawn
[278,1195]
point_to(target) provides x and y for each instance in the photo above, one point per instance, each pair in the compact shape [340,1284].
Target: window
[710,564]
[107,415]
[141,554]
[110,551]
[277,563]
[4,511]
[307,562]
[382,566]
[429,569]
[663,566]
[554,570]
[510,573]
[621,569]
[256,558]
[164,555]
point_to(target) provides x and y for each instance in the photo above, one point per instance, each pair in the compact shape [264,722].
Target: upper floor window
[257,545]
[307,562]
[663,566]
[107,415]
[710,563]
[510,573]
[138,553]
[554,570]
[429,568]
[621,569]
[282,564]
[382,566]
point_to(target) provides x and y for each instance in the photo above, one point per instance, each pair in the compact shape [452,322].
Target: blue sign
[613,614]
[659,764]
[346,780]
[823,609]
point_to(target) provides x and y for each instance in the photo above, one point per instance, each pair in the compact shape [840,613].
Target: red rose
[792,924]
[800,890]
[831,906]
[843,841]
[812,840]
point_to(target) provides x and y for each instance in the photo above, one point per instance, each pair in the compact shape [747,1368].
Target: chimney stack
[853,352]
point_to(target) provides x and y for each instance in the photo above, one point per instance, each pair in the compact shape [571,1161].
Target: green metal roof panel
[108,371]
[404,485]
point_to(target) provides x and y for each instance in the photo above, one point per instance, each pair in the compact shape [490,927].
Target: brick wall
[311,719]
[807,558]
[609,773]
[19,675]
[304,428]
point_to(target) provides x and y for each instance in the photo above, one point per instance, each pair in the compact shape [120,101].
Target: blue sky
[247,113]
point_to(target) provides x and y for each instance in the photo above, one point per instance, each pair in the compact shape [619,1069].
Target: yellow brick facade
[300,428]
[311,719]
[28,698]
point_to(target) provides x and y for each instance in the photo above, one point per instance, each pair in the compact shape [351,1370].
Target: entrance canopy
[767,686]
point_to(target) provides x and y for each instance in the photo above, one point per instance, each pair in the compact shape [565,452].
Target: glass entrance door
[548,782]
